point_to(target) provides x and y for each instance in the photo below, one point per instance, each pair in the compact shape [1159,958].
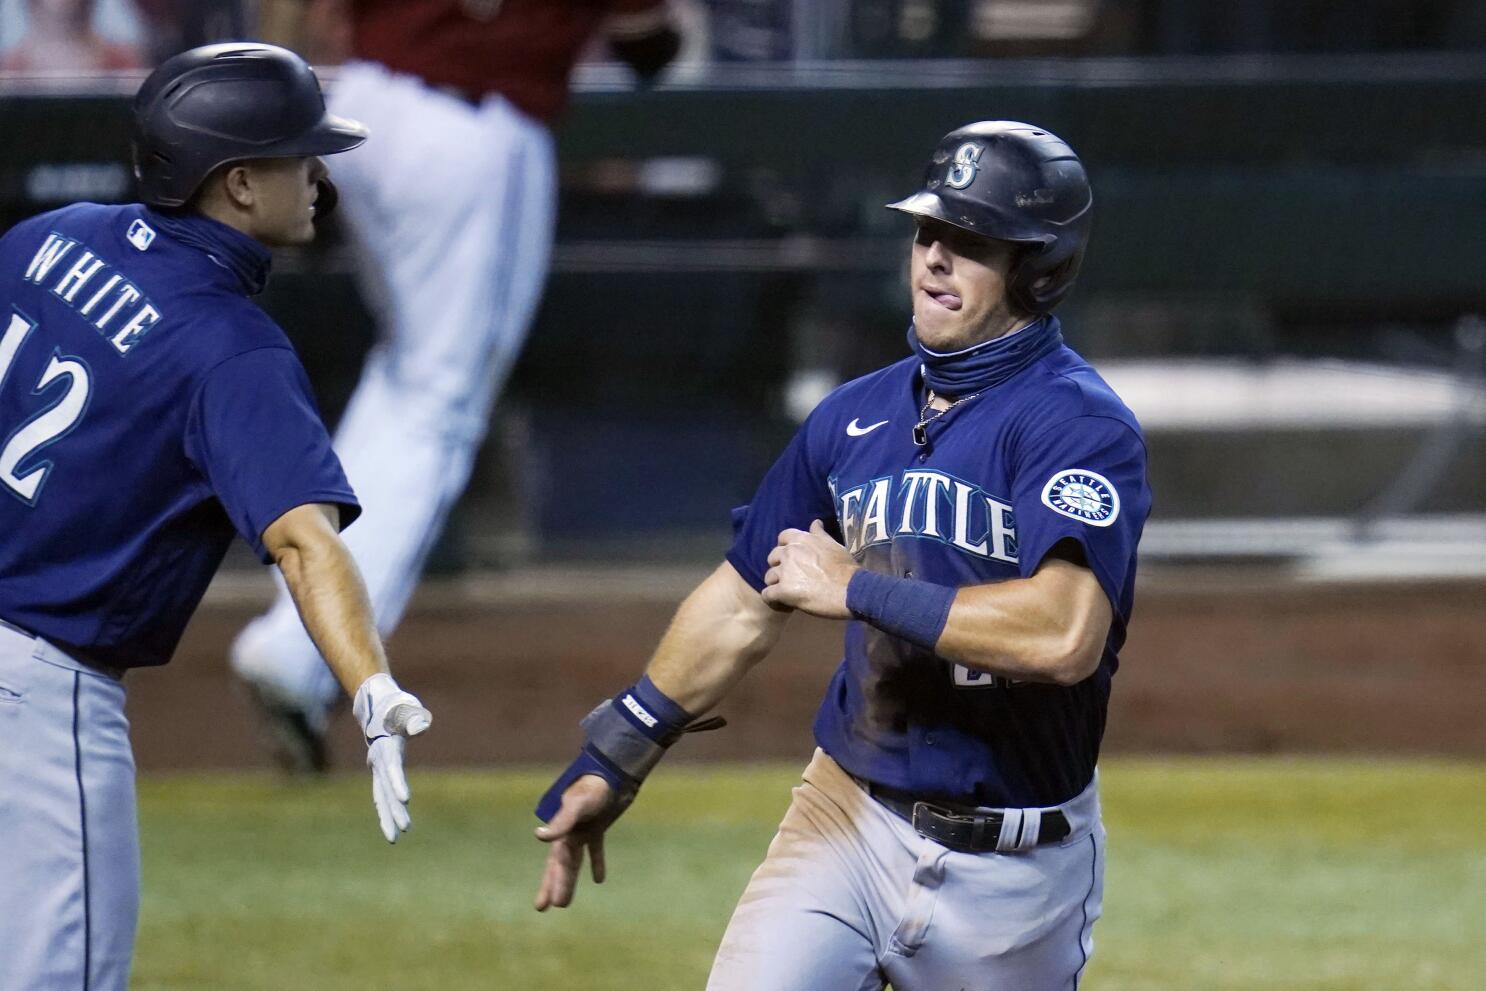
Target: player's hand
[388,716]
[809,571]
[580,822]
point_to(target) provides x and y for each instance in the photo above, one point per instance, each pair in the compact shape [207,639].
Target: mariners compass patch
[1083,495]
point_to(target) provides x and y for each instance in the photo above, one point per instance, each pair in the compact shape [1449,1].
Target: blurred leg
[456,220]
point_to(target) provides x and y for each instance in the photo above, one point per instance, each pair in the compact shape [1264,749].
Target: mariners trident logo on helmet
[966,164]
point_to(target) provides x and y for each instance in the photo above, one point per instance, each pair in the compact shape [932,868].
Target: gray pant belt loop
[52,654]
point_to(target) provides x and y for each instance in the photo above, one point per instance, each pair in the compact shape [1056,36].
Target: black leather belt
[965,830]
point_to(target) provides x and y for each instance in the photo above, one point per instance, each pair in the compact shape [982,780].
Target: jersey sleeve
[1083,479]
[256,436]
[795,491]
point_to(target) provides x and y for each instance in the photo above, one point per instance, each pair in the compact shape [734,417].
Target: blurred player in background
[453,206]
[60,38]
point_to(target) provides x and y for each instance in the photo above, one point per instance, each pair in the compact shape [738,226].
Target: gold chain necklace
[921,429]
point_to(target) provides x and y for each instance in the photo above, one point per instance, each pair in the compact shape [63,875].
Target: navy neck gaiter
[229,247]
[985,365]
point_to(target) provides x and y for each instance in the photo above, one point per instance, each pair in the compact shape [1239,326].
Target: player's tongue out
[948,300]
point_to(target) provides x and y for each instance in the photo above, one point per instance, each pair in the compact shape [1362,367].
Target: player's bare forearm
[328,592]
[331,598]
[1050,627]
[720,631]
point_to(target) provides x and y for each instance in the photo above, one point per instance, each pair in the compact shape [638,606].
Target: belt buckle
[942,826]
[920,810]
[939,811]
[982,826]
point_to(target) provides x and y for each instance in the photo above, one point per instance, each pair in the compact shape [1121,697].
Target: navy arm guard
[625,737]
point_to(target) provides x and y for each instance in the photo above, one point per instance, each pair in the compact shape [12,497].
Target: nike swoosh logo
[855,429]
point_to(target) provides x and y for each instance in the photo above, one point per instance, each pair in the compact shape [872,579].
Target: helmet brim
[930,204]
[331,136]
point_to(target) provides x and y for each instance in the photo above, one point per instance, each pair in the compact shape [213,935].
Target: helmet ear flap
[1027,280]
[1055,274]
[1019,280]
[1038,288]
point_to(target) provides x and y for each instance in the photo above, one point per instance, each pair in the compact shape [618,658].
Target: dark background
[725,232]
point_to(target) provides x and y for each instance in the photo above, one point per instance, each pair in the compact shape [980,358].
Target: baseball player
[149,410]
[971,513]
[453,206]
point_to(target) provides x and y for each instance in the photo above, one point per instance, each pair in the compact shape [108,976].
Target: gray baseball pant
[850,897]
[69,835]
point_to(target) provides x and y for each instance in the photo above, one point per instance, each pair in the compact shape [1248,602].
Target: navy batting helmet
[1014,182]
[228,103]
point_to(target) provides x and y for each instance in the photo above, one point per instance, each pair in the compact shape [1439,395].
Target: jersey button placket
[928,737]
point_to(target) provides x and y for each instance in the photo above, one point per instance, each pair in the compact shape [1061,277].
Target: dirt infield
[1211,665]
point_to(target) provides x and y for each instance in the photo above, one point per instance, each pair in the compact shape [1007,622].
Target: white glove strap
[381,709]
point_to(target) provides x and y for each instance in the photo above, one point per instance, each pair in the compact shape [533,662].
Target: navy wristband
[910,610]
[645,702]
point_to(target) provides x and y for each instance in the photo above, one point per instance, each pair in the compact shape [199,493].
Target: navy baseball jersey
[149,409]
[1049,455]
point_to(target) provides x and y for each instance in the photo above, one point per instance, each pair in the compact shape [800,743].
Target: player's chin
[302,233]
[938,328]
[290,235]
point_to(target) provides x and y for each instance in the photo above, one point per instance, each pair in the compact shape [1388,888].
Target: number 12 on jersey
[45,426]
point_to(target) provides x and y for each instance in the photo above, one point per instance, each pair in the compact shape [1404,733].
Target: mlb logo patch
[140,234]
[1083,495]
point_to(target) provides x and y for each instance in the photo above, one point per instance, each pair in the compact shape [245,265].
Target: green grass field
[1224,874]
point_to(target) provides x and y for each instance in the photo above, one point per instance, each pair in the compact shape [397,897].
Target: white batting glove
[388,716]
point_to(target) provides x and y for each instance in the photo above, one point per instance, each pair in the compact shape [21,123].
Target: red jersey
[522,49]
